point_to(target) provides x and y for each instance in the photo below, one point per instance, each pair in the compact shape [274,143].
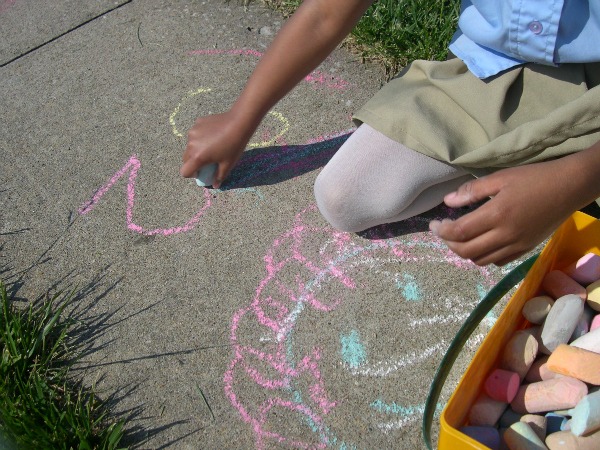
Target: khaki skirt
[527,114]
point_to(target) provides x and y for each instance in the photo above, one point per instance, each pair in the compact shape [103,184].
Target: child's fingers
[190,168]
[466,228]
[472,192]
[489,248]
[220,175]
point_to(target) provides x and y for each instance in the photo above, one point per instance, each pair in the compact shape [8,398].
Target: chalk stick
[561,322]
[584,322]
[595,322]
[549,395]
[557,283]
[577,363]
[589,341]
[537,422]
[565,440]
[508,417]
[205,175]
[555,422]
[486,411]
[536,309]
[585,417]
[520,353]
[585,270]
[593,295]
[520,436]
[488,436]
[502,385]
[539,370]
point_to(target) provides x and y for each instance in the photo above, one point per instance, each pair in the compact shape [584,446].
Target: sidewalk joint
[16,58]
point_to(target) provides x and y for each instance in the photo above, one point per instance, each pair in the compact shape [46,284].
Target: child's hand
[528,203]
[219,139]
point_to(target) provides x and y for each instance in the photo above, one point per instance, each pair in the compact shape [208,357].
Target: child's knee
[336,205]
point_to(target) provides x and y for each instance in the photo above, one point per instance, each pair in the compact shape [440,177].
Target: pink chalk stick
[502,385]
[595,322]
[556,283]
[585,270]
[549,395]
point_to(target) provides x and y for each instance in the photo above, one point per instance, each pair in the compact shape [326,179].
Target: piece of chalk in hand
[205,175]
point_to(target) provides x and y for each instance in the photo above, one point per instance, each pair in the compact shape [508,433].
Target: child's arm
[528,203]
[305,40]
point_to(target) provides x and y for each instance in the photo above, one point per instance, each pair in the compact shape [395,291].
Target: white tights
[373,180]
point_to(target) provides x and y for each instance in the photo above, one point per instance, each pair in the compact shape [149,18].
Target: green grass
[396,32]
[41,406]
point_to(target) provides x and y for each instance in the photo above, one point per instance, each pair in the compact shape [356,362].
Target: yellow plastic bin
[579,235]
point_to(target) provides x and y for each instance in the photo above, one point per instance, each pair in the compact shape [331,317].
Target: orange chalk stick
[576,362]
[565,440]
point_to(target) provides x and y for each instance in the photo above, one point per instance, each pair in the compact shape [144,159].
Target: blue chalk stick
[586,415]
[555,422]
[205,175]
[487,436]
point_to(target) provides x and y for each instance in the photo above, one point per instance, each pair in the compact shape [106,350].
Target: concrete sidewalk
[219,319]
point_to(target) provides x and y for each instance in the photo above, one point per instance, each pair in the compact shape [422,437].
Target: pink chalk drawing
[133,166]
[317,78]
[290,160]
[5,4]
[289,379]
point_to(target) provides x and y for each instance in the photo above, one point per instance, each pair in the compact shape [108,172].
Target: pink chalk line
[274,309]
[316,77]
[276,358]
[4,5]
[133,166]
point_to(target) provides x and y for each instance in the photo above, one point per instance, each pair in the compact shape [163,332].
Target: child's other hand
[528,203]
[219,139]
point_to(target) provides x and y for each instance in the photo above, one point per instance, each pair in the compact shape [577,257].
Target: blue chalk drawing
[490,317]
[353,351]
[481,291]
[410,288]
[393,408]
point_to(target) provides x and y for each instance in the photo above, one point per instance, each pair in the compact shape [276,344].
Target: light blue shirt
[495,35]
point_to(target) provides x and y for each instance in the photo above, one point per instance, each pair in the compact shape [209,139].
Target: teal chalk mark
[410,288]
[394,408]
[491,316]
[481,291]
[353,351]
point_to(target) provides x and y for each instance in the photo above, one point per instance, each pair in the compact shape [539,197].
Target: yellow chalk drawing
[285,124]
[190,94]
[285,127]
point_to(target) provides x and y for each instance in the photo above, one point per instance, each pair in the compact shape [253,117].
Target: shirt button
[535,27]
